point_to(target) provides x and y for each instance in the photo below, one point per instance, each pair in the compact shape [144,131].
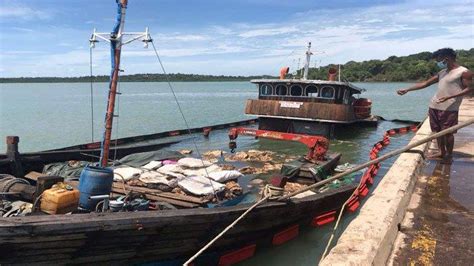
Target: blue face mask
[442,64]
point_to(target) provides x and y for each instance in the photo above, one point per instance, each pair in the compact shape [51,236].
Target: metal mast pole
[306,65]
[115,46]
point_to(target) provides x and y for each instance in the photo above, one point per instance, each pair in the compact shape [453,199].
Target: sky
[220,37]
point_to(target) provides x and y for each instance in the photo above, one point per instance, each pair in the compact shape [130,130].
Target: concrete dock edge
[369,238]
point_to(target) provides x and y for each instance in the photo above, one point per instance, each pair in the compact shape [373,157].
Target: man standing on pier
[454,81]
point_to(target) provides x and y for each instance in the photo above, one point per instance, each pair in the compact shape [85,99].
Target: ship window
[346,97]
[312,91]
[296,90]
[281,90]
[327,92]
[266,89]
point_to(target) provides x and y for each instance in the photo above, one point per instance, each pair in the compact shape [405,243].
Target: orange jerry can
[59,199]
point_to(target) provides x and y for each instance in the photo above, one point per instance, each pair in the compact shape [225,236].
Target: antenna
[308,58]
[298,67]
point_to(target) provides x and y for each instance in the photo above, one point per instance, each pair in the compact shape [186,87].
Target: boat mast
[306,64]
[115,50]
[116,43]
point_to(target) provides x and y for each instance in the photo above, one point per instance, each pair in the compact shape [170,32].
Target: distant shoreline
[409,68]
[133,78]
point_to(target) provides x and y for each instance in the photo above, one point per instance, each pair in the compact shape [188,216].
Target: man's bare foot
[435,156]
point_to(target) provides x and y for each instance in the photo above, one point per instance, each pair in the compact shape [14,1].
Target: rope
[92,94]
[184,117]
[226,229]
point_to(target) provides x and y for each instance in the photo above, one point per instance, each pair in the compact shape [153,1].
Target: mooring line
[226,229]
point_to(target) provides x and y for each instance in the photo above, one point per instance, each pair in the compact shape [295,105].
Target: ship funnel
[332,72]
[283,72]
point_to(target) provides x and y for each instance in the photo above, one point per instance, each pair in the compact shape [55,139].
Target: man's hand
[402,91]
[442,99]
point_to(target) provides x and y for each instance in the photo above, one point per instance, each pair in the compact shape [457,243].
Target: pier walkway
[421,213]
[438,228]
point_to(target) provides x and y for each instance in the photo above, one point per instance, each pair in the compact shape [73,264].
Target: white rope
[337,224]
[226,229]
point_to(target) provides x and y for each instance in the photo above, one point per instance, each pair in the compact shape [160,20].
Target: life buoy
[283,72]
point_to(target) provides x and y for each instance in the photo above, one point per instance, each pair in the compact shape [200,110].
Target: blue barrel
[92,182]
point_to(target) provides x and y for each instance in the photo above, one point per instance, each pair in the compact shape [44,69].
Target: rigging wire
[92,94]
[183,116]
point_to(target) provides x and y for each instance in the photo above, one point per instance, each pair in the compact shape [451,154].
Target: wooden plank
[33,175]
[180,197]
[183,197]
[154,197]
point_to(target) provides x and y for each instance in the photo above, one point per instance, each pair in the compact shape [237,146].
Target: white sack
[170,168]
[153,165]
[189,162]
[126,173]
[199,185]
[157,178]
[225,175]
[202,171]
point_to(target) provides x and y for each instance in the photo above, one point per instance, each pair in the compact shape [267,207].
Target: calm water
[47,116]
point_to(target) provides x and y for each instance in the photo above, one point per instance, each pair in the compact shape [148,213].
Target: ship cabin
[303,106]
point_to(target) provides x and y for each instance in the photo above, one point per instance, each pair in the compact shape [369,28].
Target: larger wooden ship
[314,107]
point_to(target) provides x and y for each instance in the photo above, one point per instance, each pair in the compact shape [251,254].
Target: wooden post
[14,156]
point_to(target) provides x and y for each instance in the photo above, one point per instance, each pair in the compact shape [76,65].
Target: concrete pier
[434,225]
[438,228]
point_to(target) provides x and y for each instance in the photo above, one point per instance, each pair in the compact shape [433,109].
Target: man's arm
[466,81]
[419,85]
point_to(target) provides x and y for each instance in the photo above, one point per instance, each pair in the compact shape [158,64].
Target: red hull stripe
[286,235]
[237,255]
[324,219]
[353,204]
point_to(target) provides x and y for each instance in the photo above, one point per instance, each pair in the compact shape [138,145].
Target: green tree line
[133,78]
[413,67]
[395,68]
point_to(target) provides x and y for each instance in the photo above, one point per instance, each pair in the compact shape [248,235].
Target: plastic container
[92,182]
[59,199]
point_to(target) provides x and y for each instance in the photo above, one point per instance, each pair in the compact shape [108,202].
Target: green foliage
[404,68]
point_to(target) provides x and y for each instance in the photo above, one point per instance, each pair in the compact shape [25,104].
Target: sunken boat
[305,106]
[104,217]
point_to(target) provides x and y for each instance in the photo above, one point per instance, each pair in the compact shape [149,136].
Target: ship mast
[116,43]
[306,64]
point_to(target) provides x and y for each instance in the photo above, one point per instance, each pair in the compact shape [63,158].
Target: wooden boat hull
[154,236]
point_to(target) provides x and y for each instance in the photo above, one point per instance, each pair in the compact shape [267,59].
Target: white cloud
[268,31]
[23,12]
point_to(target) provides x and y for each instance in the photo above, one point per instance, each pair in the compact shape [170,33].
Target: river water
[48,116]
